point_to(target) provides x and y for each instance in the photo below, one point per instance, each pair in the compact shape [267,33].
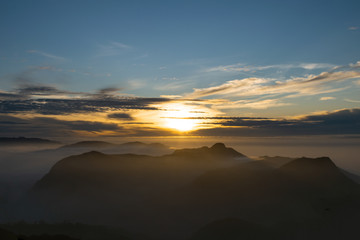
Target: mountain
[194,190]
[104,187]
[48,237]
[307,196]
[21,167]
[64,231]
[352,176]
[7,235]
[141,144]
[276,161]
[177,168]
[23,141]
[232,229]
[319,172]
[90,144]
[111,148]
[217,150]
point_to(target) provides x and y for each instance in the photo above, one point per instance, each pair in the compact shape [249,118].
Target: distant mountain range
[129,147]
[23,141]
[201,192]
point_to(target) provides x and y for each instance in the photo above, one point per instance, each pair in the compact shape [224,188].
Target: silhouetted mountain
[318,174]
[352,176]
[177,168]
[141,144]
[218,150]
[90,144]
[7,235]
[232,229]
[23,141]
[309,192]
[130,147]
[102,144]
[48,237]
[171,196]
[19,170]
[310,166]
[101,185]
[64,231]
[276,161]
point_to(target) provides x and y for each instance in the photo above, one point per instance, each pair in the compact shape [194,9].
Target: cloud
[351,100]
[230,87]
[9,95]
[293,87]
[122,116]
[344,121]
[327,98]
[48,55]
[254,104]
[109,92]
[69,106]
[113,48]
[50,127]
[353,28]
[248,68]
[176,85]
[49,100]
[31,89]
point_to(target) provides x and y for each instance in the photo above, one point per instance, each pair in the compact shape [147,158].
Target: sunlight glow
[182,117]
[181,124]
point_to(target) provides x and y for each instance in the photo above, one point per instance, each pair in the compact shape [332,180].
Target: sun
[182,125]
[181,117]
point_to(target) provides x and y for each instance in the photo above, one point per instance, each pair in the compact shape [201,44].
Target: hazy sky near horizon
[152,68]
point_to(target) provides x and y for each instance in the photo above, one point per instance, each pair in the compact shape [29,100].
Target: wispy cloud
[254,104]
[248,68]
[112,48]
[327,98]
[232,87]
[48,55]
[310,85]
[176,84]
[353,28]
[351,100]
[262,93]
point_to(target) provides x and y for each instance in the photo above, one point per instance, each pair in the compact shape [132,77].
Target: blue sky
[262,50]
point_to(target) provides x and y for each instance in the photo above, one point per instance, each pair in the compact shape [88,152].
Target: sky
[174,68]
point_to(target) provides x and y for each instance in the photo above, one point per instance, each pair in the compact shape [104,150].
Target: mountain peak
[93,153]
[311,168]
[221,149]
[311,163]
[218,150]
[218,146]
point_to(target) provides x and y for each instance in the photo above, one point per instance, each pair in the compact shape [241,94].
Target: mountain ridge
[218,149]
[172,195]
[8,141]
